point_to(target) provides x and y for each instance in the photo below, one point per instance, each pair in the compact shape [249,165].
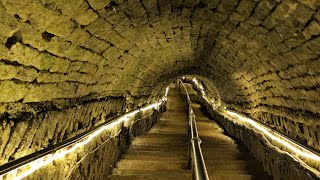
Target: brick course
[261,57]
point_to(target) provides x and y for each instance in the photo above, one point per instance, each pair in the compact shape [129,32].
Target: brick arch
[262,56]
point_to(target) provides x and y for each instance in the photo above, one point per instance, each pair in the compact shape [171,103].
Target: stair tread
[150,157]
[151,177]
[217,176]
[156,165]
[162,153]
[148,171]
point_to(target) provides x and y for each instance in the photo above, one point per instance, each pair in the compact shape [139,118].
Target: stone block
[225,7]
[85,16]
[88,68]
[302,14]
[30,57]
[91,43]
[78,36]
[312,30]
[58,46]
[112,53]
[8,24]
[98,4]
[314,4]
[60,26]
[264,8]
[60,65]
[26,74]
[75,66]
[245,7]
[33,37]
[136,8]
[7,71]
[282,12]
[99,27]
[11,91]
[211,3]
[191,3]
[41,92]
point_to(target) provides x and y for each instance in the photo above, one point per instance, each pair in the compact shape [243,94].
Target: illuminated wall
[62,58]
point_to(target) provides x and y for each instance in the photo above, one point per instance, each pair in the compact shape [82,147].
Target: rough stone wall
[276,162]
[96,159]
[262,56]
[271,50]
[23,136]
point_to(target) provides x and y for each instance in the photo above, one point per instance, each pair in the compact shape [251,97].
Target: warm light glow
[29,168]
[199,86]
[167,91]
[290,146]
[280,139]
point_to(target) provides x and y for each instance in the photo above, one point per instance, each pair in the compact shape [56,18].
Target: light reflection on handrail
[195,159]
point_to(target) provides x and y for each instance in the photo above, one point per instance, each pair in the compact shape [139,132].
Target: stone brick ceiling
[261,56]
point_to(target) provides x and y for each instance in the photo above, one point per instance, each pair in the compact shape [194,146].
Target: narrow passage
[162,153]
[225,158]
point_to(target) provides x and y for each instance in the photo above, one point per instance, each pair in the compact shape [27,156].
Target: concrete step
[226,162]
[165,136]
[221,176]
[207,155]
[160,138]
[174,113]
[183,129]
[167,150]
[150,141]
[169,146]
[171,130]
[227,165]
[146,171]
[157,153]
[151,177]
[151,165]
[171,175]
[171,121]
[163,145]
[162,124]
[177,157]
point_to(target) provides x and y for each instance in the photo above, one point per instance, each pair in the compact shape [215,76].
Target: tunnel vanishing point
[68,66]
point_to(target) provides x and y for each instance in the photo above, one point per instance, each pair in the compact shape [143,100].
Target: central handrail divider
[195,156]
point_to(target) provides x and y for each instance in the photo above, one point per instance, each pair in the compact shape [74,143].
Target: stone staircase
[162,153]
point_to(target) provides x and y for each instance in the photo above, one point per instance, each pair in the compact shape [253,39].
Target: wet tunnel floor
[162,153]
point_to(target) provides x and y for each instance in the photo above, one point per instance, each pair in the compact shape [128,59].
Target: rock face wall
[96,159]
[31,133]
[261,56]
[276,162]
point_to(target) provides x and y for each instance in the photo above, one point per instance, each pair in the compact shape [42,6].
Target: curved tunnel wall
[262,57]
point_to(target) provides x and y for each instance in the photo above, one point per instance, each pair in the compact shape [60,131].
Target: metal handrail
[195,156]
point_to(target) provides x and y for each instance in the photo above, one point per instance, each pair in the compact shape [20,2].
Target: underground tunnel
[111,89]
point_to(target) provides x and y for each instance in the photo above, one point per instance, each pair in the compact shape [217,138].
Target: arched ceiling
[262,56]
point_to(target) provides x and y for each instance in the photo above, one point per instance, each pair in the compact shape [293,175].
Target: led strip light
[282,140]
[26,169]
[297,151]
